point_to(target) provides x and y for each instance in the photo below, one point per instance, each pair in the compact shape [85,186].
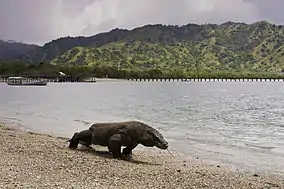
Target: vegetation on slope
[230,47]
[226,50]
[18,68]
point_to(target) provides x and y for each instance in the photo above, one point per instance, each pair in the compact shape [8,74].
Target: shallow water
[240,123]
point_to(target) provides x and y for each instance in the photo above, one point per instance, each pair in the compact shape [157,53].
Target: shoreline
[38,160]
[87,81]
[141,80]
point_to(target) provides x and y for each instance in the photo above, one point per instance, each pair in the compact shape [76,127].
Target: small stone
[178,170]
[218,166]
[56,184]
[255,175]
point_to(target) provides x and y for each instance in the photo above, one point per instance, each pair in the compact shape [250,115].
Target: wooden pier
[52,79]
[208,80]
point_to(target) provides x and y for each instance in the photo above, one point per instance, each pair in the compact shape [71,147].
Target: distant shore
[97,80]
[29,160]
[173,80]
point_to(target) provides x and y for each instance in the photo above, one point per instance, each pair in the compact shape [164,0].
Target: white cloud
[41,21]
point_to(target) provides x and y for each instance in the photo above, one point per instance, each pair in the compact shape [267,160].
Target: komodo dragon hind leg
[115,145]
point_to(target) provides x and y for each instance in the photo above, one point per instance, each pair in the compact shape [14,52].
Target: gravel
[34,160]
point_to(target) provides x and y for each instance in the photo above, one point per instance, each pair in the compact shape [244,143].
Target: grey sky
[39,21]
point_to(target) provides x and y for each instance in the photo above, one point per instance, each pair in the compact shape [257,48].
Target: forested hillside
[228,47]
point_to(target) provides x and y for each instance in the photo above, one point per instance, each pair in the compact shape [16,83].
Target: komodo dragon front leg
[116,141]
[129,148]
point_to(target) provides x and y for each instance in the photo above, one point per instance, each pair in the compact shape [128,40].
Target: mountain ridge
[226,46]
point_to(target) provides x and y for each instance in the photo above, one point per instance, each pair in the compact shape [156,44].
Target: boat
[21,81]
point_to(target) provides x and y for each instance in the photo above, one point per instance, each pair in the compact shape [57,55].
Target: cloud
[39,21]
[270,10]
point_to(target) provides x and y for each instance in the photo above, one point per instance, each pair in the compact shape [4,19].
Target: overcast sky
[39,21]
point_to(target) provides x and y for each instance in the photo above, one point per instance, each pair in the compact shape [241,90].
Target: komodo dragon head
[154,138]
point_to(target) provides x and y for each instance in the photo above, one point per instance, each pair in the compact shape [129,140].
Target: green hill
[156,49]
[229,46]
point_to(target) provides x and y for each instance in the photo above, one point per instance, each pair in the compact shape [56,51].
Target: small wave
[84,122]
[259,146]
[196,140]
[229,136]
[10,118]
[204,141]
[213,151]
[247,146]
[18,102]
[46,116]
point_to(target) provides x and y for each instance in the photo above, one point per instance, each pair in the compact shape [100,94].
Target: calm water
[241,123]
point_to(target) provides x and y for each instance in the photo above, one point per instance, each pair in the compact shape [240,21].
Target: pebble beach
[34,160]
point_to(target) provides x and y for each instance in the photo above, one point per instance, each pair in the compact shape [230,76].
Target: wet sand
[33,160]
